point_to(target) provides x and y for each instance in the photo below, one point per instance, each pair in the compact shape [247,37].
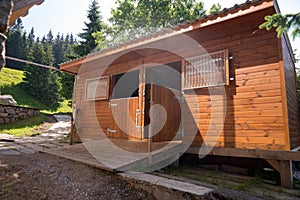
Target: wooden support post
[72,132]
[285,170]
[286,174]
[151,128]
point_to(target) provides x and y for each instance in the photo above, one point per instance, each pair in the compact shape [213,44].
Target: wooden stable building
[241,74]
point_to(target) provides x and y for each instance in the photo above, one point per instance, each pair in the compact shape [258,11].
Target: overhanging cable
[31,63]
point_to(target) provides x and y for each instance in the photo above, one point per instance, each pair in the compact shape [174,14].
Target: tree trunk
[6,7]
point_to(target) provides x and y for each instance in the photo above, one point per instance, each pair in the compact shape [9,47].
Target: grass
[25,127]
[10,77]
[254,185]
[10,83]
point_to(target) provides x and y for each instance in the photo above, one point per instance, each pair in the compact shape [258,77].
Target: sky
[68,16]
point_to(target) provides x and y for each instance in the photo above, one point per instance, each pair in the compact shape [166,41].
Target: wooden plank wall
[291,94]
[254,110]
[94,117]
[254,103]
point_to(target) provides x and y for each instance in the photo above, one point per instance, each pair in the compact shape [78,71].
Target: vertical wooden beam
[72,132]
[286,177]
[284,98]
[142,98]
[284,168]
[227,76]
[182,74]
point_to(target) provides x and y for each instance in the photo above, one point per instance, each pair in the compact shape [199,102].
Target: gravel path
[42,176]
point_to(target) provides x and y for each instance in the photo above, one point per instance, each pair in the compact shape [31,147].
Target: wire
[31,63]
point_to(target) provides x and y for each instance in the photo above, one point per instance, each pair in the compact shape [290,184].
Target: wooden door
[169,99]
[124,122]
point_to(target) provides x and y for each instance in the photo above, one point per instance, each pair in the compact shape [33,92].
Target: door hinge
[112,105]
[111,131]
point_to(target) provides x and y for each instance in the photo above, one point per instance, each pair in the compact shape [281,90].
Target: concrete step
[166,189]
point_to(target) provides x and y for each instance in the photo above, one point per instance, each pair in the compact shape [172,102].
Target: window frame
[226,71]
[101,97]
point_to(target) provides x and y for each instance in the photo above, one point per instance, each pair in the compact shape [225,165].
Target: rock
[6,7]
[2,120]
[3,115]
[22,115]
[30,113]
[36,112]
[7,120]
[11,111]
[7,100]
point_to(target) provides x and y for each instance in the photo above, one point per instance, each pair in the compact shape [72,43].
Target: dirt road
[42,176]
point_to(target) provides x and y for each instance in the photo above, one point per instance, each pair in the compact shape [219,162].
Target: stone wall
[10,114]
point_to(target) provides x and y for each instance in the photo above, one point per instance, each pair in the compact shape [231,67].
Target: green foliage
[49,51]
[136,18]
[16,45]
[283,23]
[67,81]
[10,83]
[25,127]
[215,8]
[40,82]
[92,34]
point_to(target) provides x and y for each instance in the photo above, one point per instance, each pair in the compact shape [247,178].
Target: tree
[40,82]
[283,23]
[58,50]
[16,45]
[136,18]
[92,32]
[31,38]
[67,85]
[215,8]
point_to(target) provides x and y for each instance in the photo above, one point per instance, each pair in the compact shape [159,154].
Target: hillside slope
[10,83]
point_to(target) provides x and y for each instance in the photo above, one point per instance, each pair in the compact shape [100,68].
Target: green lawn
[10,83]
[25,127]
[10,77]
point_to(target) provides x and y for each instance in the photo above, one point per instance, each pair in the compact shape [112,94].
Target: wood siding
[253,111]
[253,107]
[169,99]
[254,116]
[291,94]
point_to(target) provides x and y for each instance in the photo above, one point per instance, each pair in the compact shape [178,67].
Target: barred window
[97,88]
[207,70]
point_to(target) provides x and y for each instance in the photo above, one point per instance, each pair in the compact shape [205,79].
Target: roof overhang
[226,14]
[21,8]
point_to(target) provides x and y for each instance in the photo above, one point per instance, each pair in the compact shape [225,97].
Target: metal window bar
[206,70]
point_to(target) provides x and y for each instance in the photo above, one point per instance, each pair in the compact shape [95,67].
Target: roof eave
[224,15]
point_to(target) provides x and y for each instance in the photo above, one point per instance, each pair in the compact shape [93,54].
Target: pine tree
[92,32]
[58,50]
[40,82]
[31,38]
[16,45]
